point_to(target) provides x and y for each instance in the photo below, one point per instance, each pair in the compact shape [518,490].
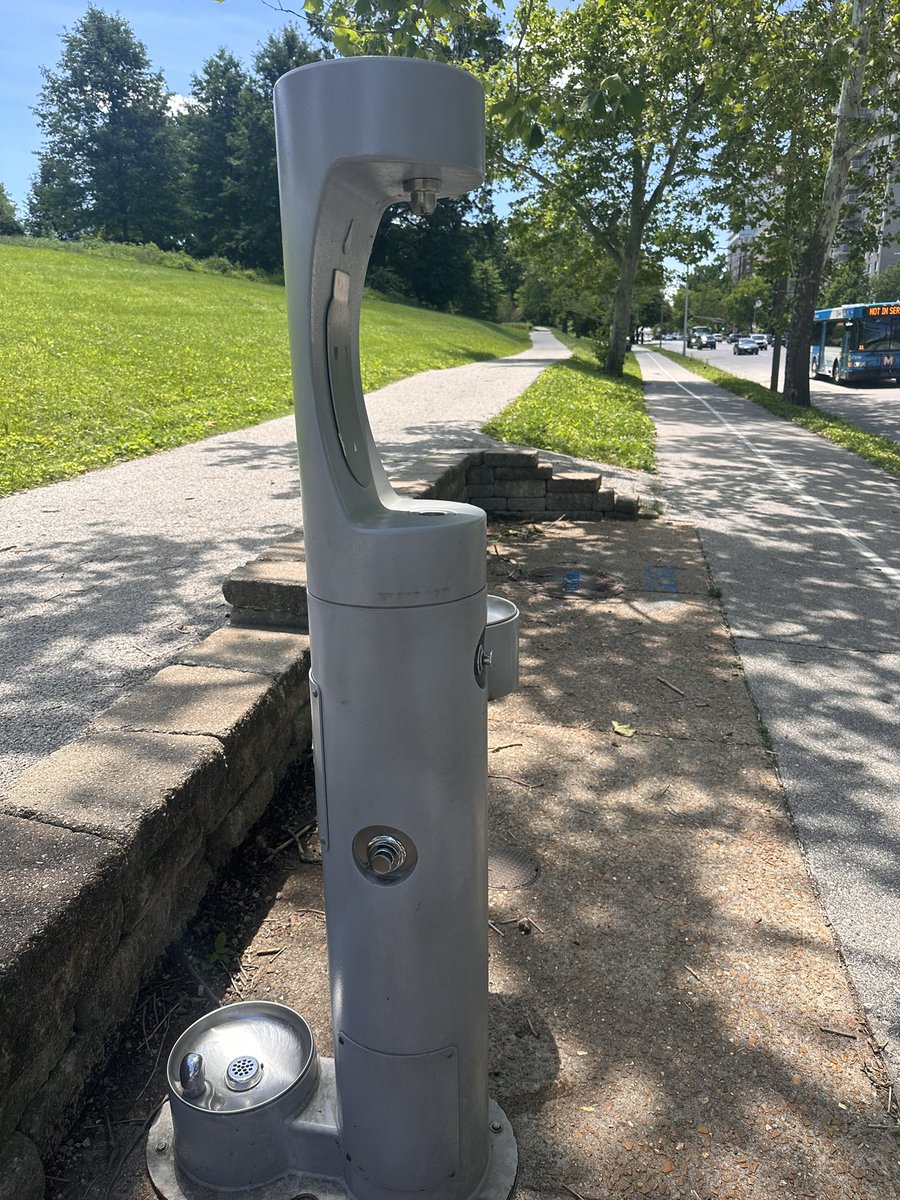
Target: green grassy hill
[106,358]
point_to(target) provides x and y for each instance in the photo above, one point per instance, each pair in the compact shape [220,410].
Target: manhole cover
[512,867]
[573,581]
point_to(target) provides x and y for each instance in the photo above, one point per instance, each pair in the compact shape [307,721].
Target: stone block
[604,501]
[480,474]
[569,502]
[154,875]
[60,918]
[574,481]
[235,707]
[477,491]
[529,504]
[282,655]
[285,549]
[627,506]
[513,457]
[518,488]
[135,789]
[493,503]
[232,830]
[540,471]
[276,589]
[49,1113]
[21,1170]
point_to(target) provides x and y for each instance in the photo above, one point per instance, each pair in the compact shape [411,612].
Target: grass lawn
[103,359]
[573,408]
[875,448]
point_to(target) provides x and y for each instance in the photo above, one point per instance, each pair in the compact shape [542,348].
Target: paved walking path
[802,537]
[104,578]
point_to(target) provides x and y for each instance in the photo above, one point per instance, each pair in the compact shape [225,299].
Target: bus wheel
[836,372]
[814,369]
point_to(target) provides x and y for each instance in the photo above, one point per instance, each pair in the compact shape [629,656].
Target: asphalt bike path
[802,538]
[107,577]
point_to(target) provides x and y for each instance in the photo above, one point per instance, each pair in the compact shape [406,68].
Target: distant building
[739,258]
[888,250]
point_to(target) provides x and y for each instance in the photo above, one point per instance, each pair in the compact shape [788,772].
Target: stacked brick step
[515,482]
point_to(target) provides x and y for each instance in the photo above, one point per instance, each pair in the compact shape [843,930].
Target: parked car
[761,340]
[746,345]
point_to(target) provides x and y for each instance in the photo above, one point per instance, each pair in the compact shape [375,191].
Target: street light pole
[685,333]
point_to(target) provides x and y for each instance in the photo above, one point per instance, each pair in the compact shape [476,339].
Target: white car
[761,340]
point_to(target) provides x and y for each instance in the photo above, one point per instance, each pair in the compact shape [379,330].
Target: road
[802,538]
[107,577]
[872,406]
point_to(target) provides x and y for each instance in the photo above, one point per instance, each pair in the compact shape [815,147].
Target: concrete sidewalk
[669,1014]
[107,577]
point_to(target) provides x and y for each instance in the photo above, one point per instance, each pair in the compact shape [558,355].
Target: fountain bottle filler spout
[399,687]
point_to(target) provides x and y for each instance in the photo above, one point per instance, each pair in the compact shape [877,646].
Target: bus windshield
[879,333]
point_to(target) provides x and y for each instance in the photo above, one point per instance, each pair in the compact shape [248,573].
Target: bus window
[834,334]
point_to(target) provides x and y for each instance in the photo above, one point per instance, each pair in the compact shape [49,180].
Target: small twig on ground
[234,983]
[496,928]
[531,1026]
[200,981]
[271,954]
[162,1042]
[110,1139]
[505,746]
[131,1149]
[521,782]
[317,912]
[666,683]
[693,972]
[844,1033]
[295,837]
[890,1097]
[572,1192]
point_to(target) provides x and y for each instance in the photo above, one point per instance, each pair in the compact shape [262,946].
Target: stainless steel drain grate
[512,867]
[243,1073]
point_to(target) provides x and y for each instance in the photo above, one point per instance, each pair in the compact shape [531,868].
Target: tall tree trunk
[807,282]
[622,305]
[815,252]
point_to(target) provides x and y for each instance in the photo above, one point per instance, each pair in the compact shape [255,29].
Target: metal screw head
[496,1127]
[162,1147]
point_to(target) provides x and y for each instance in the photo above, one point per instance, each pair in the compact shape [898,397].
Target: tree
[886,285]
[253,183]
[109,165]
[10,226]
[816,98]
[209,126]
[612,106]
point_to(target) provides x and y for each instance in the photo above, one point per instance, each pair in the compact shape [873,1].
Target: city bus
[856,341]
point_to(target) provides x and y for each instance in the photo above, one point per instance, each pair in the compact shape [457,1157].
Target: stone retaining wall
[108,848]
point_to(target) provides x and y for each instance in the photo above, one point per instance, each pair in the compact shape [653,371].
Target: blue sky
[180,35]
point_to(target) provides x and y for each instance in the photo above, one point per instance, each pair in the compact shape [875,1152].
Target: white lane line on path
[877,562]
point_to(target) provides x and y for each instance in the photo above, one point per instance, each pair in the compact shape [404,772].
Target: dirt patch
[669,1013]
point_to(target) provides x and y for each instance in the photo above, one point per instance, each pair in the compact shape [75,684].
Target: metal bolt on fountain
[401,643]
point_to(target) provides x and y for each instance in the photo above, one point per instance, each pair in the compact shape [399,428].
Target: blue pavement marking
[660,579]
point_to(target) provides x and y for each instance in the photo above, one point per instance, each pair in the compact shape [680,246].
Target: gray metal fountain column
[397,608]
